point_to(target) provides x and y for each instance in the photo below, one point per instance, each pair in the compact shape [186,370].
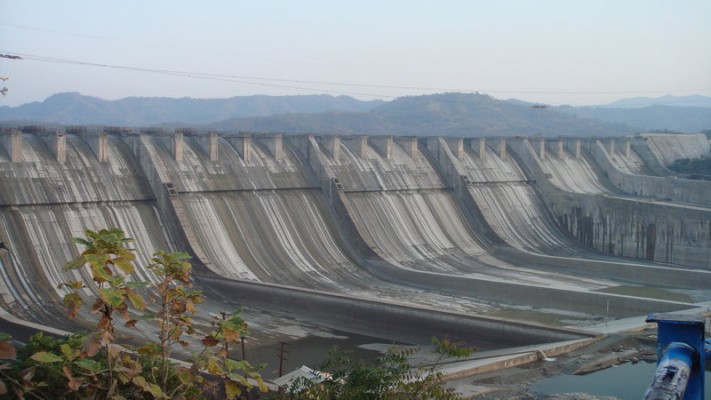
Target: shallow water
[625,382]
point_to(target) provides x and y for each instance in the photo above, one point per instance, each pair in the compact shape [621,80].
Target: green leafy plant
[390,377]
[236,376]
[110,261]
[94,365]
[176,301]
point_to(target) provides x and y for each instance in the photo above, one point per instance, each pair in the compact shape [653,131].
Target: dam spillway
[437,225]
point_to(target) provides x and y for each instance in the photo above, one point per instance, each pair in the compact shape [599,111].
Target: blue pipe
[682,352]
[672,374]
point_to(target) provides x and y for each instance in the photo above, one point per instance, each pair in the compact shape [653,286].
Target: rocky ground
[514,383]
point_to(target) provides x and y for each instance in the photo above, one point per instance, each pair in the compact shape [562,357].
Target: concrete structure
[214,140]
[482,148]
[61,148]
[16,147]
[369,235]
[274,144]
[409,144]
[384,145]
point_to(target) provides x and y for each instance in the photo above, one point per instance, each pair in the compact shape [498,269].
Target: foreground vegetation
[94,366]
[391,377]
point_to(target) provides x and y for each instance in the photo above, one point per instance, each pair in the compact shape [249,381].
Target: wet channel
[624,382]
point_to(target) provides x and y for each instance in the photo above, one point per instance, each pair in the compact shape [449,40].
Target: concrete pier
[333,146]
[611,150]
[61,147]
[99,145]
[214,152]
[16,147]
[456,146]
[384,145]
[243,144]
[502,149]
[577,148]
[362,147]
[275,145]
[482,148]
[628,149]
[409,143]
[178,146]
[542,150]
[561,149]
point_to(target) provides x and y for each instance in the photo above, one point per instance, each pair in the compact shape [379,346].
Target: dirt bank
[514,383]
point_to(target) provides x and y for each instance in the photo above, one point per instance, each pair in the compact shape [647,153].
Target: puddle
[625,382]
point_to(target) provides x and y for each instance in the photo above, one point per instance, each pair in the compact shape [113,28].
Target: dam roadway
[399,238]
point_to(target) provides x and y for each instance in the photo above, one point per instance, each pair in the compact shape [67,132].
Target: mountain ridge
[694,100]
[75,108]
[449,114]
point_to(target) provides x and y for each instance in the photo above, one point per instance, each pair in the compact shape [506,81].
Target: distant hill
[453,114]
[668,100]
[677,119]
[77,109]
[449,114]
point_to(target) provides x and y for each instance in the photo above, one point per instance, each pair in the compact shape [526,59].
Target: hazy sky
[574,52]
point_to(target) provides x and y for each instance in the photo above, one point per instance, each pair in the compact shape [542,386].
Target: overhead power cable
[296,83]
[189,74]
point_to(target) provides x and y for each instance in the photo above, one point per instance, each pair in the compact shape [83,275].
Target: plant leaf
[73,302]
[137,284]
[149,350]
[210,341]
[232,389]
[89,365]
[136,300]
[46,358]
[73,383]
[124,265]
[92,346]
[100,273]
[111,296]
[69,353]
[7,351]
[151,388]
[213,366]
[184,375]
[74,264]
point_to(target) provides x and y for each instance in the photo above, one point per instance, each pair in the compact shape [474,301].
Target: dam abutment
[620,226]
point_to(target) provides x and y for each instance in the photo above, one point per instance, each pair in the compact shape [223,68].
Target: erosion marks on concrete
[332,219]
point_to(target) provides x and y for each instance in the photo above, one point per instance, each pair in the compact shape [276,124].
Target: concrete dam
[398,238]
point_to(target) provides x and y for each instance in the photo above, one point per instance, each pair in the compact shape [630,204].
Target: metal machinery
[682,355]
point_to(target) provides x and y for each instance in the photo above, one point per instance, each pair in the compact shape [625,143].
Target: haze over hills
[438,114]
[449,114]
[657,117]
[75,108]
[668,100]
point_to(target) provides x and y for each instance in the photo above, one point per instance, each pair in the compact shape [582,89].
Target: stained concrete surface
[301,219]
